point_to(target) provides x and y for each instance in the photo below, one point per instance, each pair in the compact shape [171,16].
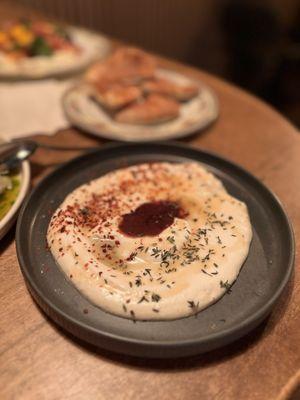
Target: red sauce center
[150,219]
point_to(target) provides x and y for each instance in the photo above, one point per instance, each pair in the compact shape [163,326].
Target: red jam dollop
[150,219]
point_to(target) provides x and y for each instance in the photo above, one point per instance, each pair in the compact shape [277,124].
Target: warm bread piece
[169,88]
[126,65]
[131,65]
[97,73]
[152,110]
[116,96]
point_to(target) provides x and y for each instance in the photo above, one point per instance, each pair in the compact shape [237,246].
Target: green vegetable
[8,197]
[40,47]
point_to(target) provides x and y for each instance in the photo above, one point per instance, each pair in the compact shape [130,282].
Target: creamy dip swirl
[178,272]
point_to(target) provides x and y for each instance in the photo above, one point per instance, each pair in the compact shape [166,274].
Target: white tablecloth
[34,107]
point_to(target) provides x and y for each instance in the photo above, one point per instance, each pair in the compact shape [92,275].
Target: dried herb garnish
[171,239]
[143,298]
[194,306]
[164,264]
[203,270]
[155,252]
[133,315]
[155,297]
[226,285]
[191,303]
[138,282]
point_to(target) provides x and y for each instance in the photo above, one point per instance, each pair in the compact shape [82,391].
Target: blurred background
[254,44]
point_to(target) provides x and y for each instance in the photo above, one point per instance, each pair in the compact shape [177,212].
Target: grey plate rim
[236,332]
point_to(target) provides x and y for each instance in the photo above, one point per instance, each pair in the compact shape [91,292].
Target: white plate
[94,46]
[7,221]
[196,114]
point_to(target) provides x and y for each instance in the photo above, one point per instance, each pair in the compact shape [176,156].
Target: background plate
[261,280]
[195,114]
[93,46]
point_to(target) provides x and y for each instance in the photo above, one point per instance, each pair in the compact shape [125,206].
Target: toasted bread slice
[116,96]
[132,65]
[97,73]
[126,65]
[154,109]
[169,88]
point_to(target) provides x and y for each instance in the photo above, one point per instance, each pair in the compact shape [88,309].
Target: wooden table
[40,361]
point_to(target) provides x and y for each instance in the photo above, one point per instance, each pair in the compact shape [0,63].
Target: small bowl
[8,220]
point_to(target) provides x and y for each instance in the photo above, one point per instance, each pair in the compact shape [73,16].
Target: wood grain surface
[39,361]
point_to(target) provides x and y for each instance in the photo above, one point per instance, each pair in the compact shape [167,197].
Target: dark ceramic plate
[261,281]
